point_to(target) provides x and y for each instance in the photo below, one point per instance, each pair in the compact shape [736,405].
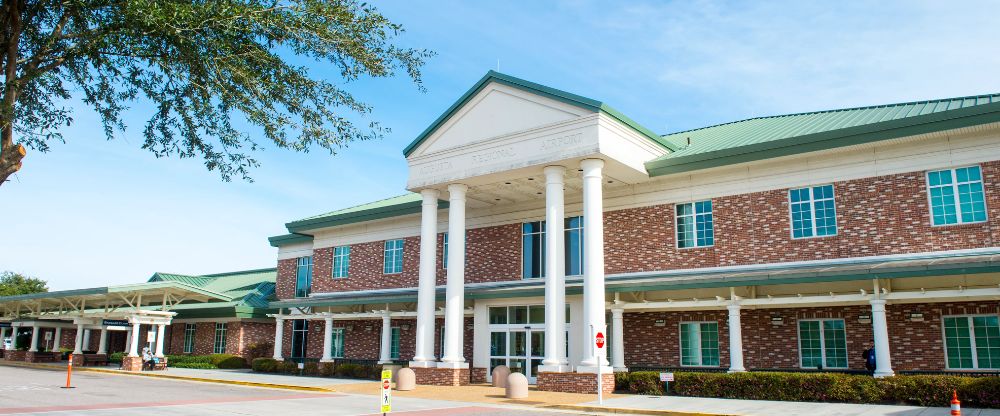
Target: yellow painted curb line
[627,411]
[168,376]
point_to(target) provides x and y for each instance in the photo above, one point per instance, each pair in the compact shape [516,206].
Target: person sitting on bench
[147,360]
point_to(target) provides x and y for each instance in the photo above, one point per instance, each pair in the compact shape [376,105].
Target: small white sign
[666,376]
[48,336]
[151,336]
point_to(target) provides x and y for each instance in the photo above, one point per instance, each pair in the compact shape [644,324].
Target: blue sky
[93,212]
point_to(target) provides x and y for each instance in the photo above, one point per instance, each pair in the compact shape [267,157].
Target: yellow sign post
[386,391]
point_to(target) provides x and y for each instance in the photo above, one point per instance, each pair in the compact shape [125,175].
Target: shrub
[360,372]
[347,370]
[290,367]
[326,369]
[259,350]
[264,365]
[202,366]
[116,357]
[227,361]
[188,359]
[310,369]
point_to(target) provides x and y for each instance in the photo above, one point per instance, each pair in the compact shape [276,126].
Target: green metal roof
[769,137]
[286,239]
[408,203]
[250,288]
[556,94]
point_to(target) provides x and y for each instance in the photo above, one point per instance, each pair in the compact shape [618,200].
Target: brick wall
[285,280]
[239,336]
[363,338]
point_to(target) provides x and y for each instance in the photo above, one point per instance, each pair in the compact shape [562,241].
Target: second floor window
[393,257]
[189,331]
[341,261]
[813,211]
[533,247]
[303,277]
[956,196]
[220,338]
[694,225]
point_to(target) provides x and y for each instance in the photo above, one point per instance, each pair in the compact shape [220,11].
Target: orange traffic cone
[956,406]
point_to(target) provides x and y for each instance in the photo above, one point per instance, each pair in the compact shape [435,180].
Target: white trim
[694,224]
[385,252]
[333,262]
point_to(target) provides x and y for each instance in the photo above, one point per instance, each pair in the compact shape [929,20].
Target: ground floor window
[394,344]
[822,343]
[337,343]
[972,342]
[189,330]
[700,344]
[300,330]
[220,338]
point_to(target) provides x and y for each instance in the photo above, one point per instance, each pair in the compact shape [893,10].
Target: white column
[3,336]
[880,330]
[618,339]
[593,266]
[424,354]
[128,339]
[34,338]
[385,350]
[86,339]
[735,340]
[160,329]
[57,339]
[102,347]
[555,272]
[279,330]
[133,346]
[454,315]
[327,347]
[78,346]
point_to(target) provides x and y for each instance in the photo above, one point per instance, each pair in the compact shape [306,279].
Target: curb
[627,411]
[173,377]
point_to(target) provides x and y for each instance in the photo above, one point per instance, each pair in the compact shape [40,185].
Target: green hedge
[201,366]
[116,357]
[923,390]
[214,360]
[270,365]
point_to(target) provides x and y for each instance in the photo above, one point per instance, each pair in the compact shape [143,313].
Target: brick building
[787,242]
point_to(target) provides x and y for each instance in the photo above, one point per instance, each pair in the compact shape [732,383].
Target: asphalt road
[34,391]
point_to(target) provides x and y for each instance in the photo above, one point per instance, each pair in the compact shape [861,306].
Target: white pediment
[495,111]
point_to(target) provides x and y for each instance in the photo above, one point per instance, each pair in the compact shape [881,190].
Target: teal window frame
[695,224]
[972,342]
[392,256]
[812,211]
[300,338]
[956,196]
[573,243]
[394,334]
[822,336]
[189,333]
[699,344]
[303,276]
[444,252]
[533,257]
[220,338]
[341,262]
[337,343]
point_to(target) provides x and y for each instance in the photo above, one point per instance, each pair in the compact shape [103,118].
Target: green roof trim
[286,239]
[556,94]
[770,137]
[406,204]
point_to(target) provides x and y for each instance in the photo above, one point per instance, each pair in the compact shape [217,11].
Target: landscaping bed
[332,369]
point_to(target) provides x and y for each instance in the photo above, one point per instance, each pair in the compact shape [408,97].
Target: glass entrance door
[523,352]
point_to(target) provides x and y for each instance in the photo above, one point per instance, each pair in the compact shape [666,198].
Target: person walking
[869,356]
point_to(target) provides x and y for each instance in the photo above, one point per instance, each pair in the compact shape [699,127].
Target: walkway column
[34,338]
[735,340]
[128,339]
[385,350]
[159,339]
[593,265]
[424,354]
[555,273]
[880,330]
[279,330]
[454,314]
[78,345]
[327,347]
[618,339]
[86,339]
[3,336]
[57,339]
[133,347]
[102,347]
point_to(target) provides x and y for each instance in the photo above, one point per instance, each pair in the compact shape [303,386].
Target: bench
[95,359]
[45,357]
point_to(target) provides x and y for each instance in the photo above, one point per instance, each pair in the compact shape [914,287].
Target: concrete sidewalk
[671,405]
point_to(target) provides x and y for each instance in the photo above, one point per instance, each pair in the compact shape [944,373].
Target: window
[394,344]
[694,225]
[533,247]
[967,184]
[700,344]
[337,343]
[444,253]
[822,343]
[813,211]
[220,338]
[393,257]
[300,332]
[189,330]
[972,342]
[341,261]
[303,277]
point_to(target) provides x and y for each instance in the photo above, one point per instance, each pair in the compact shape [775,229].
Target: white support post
[880,330]
[327,333]
[128,339]
[427,281]
[102,347]
[454,315]
[3,336]
[279,329]
[593,361]
[78,345]
[555,272]
[618,339]
[133,347]
[160,329]
[57,339]
[735,340]
[34,338]
[86,339]
[385,349]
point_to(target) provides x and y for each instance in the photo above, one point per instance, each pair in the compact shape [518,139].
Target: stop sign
[599,340]
[385,384]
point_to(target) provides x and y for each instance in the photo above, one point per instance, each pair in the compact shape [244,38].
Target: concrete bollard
[517,386]
[500,374]
[406,380]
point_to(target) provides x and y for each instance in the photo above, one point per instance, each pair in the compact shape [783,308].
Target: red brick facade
[363,338]
[240,335]
[575,382]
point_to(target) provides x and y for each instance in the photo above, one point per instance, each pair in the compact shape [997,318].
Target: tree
[204,66]
[18,284]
